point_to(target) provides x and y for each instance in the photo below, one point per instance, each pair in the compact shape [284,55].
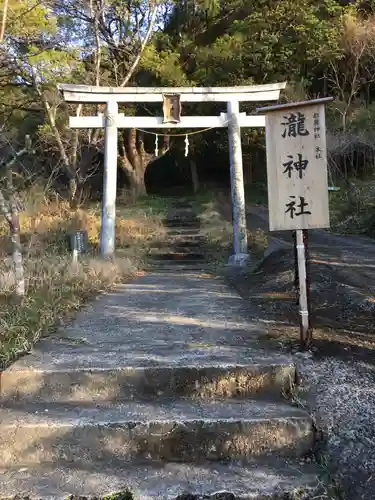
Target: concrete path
[160,386]
[158,322]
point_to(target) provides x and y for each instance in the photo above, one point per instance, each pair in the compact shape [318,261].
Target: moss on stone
[122,495]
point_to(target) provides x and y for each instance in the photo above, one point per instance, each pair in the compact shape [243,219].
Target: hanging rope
[156,145]
[186,135]
[180,135]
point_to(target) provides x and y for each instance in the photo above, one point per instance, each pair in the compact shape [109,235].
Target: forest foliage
[320,47]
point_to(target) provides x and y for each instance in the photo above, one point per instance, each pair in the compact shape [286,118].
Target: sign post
[297,181]
[78,244]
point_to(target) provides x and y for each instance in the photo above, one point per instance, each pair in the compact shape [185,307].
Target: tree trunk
[73,191]
[194,176]
[134,160]
[17,255]
[15,234]
[10,210]
[137,182]
[344,121]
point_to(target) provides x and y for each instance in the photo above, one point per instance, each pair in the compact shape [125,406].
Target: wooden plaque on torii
[172,108]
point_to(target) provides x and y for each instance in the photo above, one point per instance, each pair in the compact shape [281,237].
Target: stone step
[186,242]
[183,231]
[177,252]
[179,340]
[174,211]
[171,431]
[182,216]
[262,377]
[181,208]
[180,269]
[260,480]
[173,256]
[169,268]
[186,224]
[186,263]
[178,244]
[182,212]
[186,204]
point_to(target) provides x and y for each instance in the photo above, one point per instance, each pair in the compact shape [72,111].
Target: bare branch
[68,168]
[5,208]
[135,63]
[354,70]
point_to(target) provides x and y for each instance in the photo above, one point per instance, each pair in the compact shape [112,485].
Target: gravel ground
[338,374]
[341,397]
[337,379]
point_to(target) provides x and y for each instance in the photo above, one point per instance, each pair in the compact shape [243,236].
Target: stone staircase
[161,388]
[184,245]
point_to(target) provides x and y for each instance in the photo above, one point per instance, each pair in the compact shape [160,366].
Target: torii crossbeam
[113,120]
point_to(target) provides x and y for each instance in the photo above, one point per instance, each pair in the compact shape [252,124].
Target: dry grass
[352,209]
[218,230]
[55,285]
[258,241]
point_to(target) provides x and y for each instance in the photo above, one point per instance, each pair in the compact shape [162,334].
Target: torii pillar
[240,255]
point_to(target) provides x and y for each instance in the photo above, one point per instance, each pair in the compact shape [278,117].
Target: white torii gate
[113,120]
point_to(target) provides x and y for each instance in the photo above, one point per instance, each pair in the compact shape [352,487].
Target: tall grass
[217,229]
[55,285]
[352,209]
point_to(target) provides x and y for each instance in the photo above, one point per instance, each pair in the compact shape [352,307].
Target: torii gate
[113,120]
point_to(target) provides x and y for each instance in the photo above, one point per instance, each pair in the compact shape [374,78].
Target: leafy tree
[169,43]
[238,43]
[76,41]
[35,57]
[120,32]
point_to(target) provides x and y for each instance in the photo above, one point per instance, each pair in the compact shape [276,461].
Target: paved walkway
[158,321]
[151,387]
[160,386]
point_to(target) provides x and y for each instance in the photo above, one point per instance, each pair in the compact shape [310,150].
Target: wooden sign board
[297,165]
[172,108]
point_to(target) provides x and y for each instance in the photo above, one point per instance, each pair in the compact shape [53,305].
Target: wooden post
[295,255]
[240,256]
[108,230]
[307,259]
[303,303]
